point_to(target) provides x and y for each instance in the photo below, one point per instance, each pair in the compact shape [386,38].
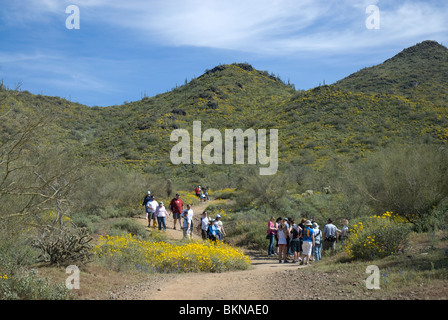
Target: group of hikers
[156,212]
[202,193]
[303,242]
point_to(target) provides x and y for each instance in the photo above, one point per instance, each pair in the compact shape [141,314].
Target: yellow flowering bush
[188,256]
[187,197]
[227,193]
[378,237]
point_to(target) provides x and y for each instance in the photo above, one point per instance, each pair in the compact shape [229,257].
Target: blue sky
[124,50]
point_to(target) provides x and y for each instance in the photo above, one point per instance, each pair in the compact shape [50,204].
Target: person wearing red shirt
[177,207]
[197,190]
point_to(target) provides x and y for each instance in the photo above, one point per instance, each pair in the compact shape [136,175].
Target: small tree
[408,180]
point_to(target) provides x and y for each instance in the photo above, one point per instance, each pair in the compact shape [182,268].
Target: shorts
[295,245]
[176,215]
[151,215]
[307,246]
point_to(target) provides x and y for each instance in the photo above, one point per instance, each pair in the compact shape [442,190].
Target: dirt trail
[235,285]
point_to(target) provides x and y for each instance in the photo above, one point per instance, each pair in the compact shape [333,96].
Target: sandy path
[235,285]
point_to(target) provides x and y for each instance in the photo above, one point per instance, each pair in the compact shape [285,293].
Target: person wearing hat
[307,242]
[151,206]
[212,231]
[219,228]
[317,242]
[330,236]
[161,216]
[146,200]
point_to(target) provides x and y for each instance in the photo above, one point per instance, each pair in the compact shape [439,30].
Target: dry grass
[96,282]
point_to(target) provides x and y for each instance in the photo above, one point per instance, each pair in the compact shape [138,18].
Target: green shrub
[27,285]
[126,226]
[377,237]
[18,282]
[85,221]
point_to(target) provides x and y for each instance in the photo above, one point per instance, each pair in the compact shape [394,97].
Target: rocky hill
[402,100]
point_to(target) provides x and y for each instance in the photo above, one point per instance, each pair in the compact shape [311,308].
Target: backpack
[295,232]
[317,238]
[331,238]
[306,232]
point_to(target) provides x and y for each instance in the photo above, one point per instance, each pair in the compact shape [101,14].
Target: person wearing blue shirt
[308,242]
[212,230]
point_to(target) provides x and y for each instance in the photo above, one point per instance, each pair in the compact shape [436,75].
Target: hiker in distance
[186,227]
[177,207]
[330,236]
[150,211]
[145,202]
[271,233]
[203,225]
[190,213]
[219,228]
[161,214]
[307,242]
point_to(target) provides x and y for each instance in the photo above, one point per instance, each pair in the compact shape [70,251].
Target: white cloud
[262,26]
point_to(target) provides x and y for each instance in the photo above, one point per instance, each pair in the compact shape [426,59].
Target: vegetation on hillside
[373,143]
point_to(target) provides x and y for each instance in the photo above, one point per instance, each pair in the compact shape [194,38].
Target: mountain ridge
[357,115]
[420,71]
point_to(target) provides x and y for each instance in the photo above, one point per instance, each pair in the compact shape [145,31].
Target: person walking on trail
[290,252]
[277,226]
[145,202]
[317,242]
[202,196]
[206,194]
[150,212]
[203,225]
[302,226]
[190,213]
[344,232]
[146,199]
[307,242]
[161,214]
[330,236]
[219,227]
[197,190]
[271,236]
[283,234]
[177,207]
[212,231]
[186,225]
[296,232]
[288,237]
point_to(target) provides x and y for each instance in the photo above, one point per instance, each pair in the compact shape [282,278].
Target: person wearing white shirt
[219,227]
[150,212]
[186,225]
[161,216]
[190,213]
[203,226]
